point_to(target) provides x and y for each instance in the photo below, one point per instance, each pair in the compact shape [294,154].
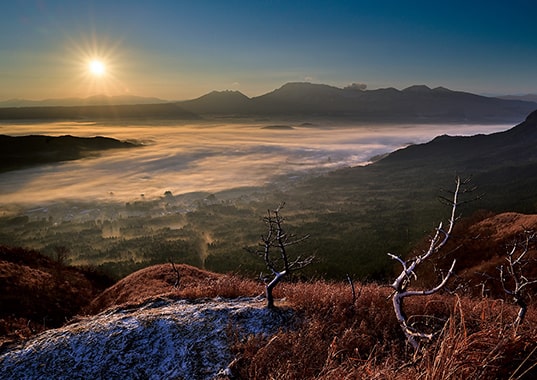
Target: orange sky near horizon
[177,50]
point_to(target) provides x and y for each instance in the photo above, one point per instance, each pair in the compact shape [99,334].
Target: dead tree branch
[516,261]
[408,272]
[351,283]
[177,274]
[279,240]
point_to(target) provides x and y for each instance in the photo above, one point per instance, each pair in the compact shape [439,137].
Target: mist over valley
[196,192]
[207,157]
[360,171]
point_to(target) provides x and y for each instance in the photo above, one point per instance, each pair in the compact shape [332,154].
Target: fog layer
[204,157]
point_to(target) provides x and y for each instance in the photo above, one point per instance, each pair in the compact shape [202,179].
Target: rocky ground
[160,339]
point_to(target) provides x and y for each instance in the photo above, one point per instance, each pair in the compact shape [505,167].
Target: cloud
[189,158]
[356,86]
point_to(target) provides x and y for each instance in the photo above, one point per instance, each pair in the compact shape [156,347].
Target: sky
[181,49]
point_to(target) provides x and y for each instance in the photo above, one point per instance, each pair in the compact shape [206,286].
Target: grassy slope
[339,338]
[38,292]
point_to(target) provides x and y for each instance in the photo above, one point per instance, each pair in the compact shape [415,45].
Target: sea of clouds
[206,156]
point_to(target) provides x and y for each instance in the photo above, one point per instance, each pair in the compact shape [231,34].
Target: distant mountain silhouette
[95,100]
[17,152]
[109,112]
[218,102]
[527,98]
[413,104]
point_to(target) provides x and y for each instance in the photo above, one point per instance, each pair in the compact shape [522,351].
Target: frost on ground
[161,339]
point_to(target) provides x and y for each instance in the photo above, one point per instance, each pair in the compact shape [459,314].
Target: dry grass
[341,340]
[337,338]
[160,280]
[38,293]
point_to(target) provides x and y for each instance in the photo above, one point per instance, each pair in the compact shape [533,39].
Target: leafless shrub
[61,254]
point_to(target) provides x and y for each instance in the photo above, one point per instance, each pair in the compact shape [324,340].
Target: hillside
[480,247]
[17,152]
[512,147]
[499,163]
[181,337]
[158,280]
[39,293]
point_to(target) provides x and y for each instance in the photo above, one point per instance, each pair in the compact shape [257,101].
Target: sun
[95,64]
[97,68]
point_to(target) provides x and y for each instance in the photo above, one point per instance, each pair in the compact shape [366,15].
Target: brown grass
[338,339]
[159,280]
[341,340]
[38,292]
[480,244]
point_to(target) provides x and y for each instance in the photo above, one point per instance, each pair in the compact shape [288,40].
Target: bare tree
[61,254]
[177,274]
[402,282]
[274,251]
[516,261]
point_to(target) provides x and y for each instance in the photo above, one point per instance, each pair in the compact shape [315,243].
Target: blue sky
[183,49]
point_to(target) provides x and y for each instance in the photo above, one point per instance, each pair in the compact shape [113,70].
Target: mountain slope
[38,292]
[479,154]
[481,248]
[513,147]
[388,206]
[162,279]
[218,102]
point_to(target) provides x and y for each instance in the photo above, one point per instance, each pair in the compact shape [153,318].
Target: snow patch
[160,339]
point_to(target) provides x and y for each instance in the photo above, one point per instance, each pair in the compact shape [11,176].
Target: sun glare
[97,68]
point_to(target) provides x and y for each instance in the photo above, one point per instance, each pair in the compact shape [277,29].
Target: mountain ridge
[414,104]
[94,100]
[417,103]
[473,152]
